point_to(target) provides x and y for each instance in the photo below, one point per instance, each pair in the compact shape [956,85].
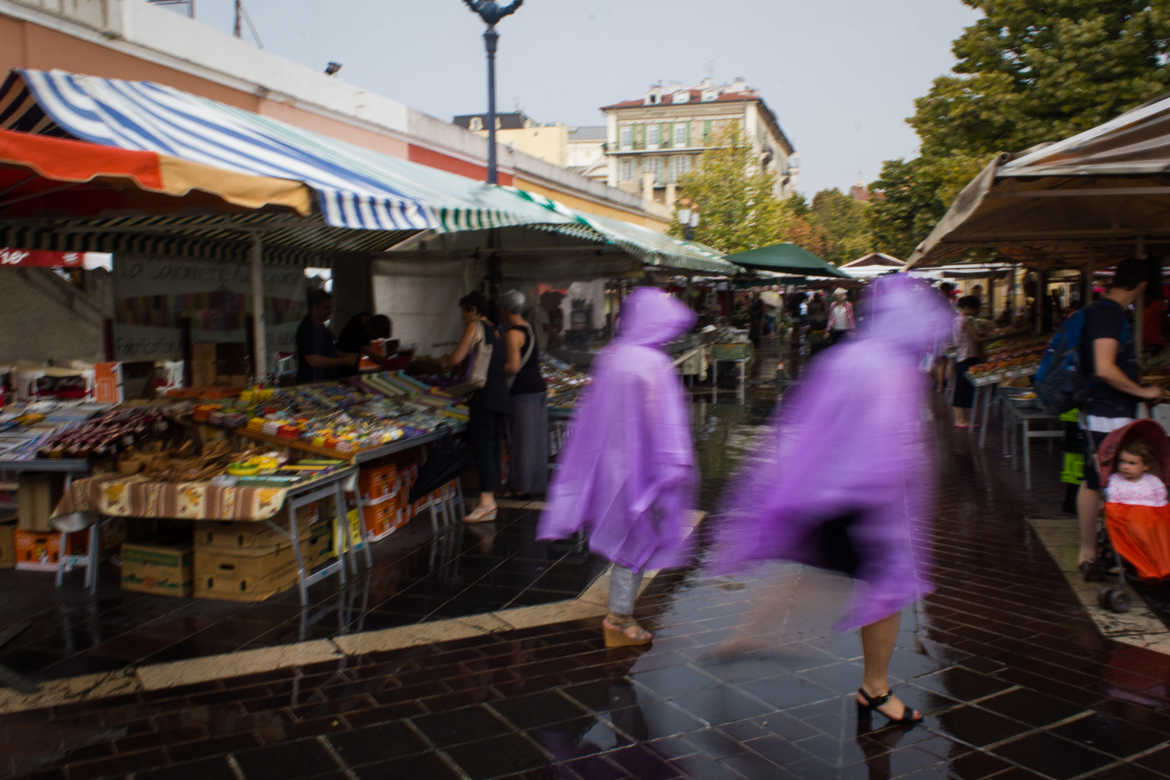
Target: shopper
[1109,355]
[489,406]
[626,475]
[318,358]
[528,466]
[968,354]
[845,478]
[841,319]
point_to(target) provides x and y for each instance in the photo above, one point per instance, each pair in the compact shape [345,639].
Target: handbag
[527,354]
[481,361]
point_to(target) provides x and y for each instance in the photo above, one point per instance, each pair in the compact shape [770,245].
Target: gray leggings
[623,590]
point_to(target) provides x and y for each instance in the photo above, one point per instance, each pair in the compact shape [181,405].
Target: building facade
[653,140]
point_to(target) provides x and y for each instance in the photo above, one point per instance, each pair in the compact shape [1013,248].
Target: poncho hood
[906,313]
[652,317]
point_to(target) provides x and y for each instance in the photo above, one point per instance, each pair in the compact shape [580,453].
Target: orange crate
[36,551]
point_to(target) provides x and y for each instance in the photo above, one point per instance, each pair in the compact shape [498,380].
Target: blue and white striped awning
[355,187]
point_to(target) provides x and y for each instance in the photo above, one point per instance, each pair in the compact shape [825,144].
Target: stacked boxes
[37,551]
[37,496]
[252,561]
[158,569]
[219,364]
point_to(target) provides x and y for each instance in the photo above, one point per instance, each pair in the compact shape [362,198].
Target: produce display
[1007,357]
[564,382]
[376,410]
[218,462]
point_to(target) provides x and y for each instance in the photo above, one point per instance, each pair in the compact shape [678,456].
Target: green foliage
[845,221]
[1029,71]
[907,209]
[737,208]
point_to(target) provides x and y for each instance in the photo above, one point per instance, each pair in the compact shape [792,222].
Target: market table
[1021,418]
[117,496]
[70,467]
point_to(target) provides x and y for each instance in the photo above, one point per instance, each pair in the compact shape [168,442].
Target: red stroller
[1137,535]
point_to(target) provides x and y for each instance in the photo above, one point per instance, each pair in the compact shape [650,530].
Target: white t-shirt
[1147,490]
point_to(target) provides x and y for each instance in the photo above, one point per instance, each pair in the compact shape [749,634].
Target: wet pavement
[1014,677]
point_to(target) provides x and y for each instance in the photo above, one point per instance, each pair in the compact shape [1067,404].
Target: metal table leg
[295,537]
[1025,425]
[987,397]
[974,420]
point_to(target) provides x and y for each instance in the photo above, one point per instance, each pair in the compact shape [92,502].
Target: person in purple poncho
[846,475]
[626,475]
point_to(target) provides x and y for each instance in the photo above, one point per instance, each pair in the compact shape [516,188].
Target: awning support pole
[260,370]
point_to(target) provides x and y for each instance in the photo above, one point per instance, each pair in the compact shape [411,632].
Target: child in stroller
[1134,461]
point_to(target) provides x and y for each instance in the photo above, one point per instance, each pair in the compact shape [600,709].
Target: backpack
[1061,382]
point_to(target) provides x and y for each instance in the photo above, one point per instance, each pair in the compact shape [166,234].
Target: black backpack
[1061,382]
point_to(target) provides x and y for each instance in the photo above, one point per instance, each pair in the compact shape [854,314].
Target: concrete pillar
[671,194]
[647,189]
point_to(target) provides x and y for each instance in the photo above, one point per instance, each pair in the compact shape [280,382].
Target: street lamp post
[492,12]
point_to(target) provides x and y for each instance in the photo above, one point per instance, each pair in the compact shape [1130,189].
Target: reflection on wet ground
[1015,680]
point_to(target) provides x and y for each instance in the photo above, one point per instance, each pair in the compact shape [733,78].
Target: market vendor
[317,356]
[364,334]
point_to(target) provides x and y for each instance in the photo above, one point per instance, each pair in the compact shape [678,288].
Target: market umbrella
[1082,201]
[786,258]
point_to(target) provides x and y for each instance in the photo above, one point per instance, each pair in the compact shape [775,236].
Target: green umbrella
[787,258]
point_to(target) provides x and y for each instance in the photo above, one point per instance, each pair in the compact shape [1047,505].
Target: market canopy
[873,265]
[651,248]
[1086,200]
[353,187]
[787,258]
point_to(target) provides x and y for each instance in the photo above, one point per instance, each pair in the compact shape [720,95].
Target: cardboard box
[244,575]
[37,551]
[158,569]
[8,543]
[259,537]
[36,497]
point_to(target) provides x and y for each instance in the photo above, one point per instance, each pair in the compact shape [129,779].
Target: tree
[737,208]
[845,222]
[1032,71]
[908,208]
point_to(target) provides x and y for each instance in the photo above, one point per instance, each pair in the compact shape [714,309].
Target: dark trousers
[964,390]
[485,428]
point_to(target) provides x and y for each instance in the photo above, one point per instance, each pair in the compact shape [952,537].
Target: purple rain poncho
[850,439]
[626,475]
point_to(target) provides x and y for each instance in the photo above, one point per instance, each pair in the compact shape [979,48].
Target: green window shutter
[664,132]
[707,133]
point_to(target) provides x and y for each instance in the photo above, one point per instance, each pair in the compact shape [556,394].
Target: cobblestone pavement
[1015,680]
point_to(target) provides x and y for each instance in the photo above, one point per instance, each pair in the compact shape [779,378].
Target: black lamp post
[492,12]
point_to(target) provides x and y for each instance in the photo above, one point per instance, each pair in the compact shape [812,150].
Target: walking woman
[489,406]
[846,476]
[967,343]
[626,475]
[528,467]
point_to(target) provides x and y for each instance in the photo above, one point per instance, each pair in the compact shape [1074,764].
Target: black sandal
[873,703]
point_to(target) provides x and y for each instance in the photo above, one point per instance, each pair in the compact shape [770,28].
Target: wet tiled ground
[1015,679]
[472,569]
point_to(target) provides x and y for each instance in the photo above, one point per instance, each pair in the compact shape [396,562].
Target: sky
[841,75]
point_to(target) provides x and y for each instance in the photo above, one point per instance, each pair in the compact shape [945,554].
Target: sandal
[875,703]
[625,634]
[482,515]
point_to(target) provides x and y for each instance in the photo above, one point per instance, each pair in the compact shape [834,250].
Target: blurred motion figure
[627,472]
[846,475]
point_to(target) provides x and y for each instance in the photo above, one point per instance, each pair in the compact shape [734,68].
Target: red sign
[39,258]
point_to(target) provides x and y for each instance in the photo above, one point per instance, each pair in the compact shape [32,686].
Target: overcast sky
[841,75]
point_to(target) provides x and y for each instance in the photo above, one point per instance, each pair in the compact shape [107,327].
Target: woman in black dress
[528,467]
[489,406]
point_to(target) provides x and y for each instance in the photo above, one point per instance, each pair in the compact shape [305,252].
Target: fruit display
[1015,356]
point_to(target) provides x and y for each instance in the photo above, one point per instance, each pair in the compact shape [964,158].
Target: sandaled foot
[624,633]
[888,705]
[482,515]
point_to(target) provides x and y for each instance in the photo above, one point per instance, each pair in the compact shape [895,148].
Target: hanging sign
[40,258]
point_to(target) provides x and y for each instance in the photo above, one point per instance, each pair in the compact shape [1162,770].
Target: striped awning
[355,188]
[653,249]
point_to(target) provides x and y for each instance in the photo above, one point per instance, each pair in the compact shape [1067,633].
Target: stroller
[1137,536]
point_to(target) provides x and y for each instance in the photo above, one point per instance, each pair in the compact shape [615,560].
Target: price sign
[40,258]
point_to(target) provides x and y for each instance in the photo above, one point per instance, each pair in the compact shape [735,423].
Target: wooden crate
[159,569]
